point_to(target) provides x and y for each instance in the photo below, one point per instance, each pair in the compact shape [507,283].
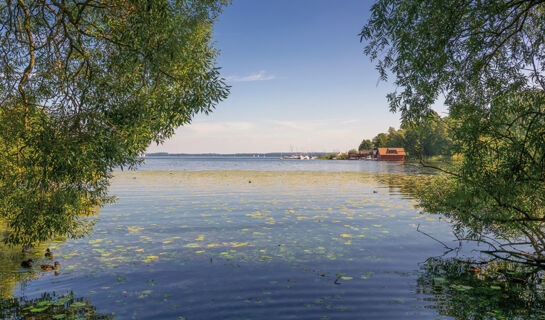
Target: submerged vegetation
[495,290]
[50,306]
[173,237]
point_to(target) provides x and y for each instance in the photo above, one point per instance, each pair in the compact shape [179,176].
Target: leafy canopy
[486,60]
[365,144]
[86,86]
[431,136]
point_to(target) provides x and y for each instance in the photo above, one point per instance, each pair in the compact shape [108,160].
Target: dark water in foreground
[292,244]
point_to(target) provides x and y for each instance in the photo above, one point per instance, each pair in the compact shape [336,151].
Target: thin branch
[433,238]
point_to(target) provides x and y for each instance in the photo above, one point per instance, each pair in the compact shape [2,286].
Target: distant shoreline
[267,155]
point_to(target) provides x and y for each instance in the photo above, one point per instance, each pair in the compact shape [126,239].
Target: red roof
[391,151]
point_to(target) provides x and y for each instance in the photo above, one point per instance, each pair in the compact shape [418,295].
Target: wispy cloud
[260,76]
[351,121]
[207,127]
[290,124]
[267,135]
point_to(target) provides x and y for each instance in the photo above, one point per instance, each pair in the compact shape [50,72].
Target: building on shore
[363,155]
[391,154]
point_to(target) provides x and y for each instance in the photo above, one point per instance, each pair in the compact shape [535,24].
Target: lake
[227,238]
[220,163]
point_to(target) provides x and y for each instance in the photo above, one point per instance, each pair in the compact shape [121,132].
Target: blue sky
[299,78]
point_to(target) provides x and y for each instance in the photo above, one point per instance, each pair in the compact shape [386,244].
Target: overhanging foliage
[86,86]
[486,58]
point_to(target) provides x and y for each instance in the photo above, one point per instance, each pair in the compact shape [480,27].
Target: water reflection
[404,184]
[211,245]
[494,285]
[464,289]
[47,306]
[11,272]
[50,306]
[230,163]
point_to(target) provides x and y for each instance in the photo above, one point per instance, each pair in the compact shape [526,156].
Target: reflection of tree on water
[493,290]
[508,283]
[401,183]
[49,306]
[509,238]
[11,272]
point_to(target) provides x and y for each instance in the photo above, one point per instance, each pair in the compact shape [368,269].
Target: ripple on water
[209,245]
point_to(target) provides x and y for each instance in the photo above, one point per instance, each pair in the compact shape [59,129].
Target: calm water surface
[218,163]
[252,239]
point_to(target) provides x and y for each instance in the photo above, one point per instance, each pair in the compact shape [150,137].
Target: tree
[396,138]
[425,138]
[486,59]
[392,139]
[428,137]
[381,140]
[86,86]
[365,144]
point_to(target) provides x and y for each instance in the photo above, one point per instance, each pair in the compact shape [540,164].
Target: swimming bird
[27,263]
[48,254]
[47,267]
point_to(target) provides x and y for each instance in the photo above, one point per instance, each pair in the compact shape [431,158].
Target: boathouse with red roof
[391,154]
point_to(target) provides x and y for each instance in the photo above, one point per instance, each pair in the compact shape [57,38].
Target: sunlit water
[313,241]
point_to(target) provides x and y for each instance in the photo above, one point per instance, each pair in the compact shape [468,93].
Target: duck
[27,263]
[48,253]
[47,267]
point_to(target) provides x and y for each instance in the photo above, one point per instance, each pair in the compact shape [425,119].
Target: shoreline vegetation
[430,139]
[85,89]
[437,158]
[296,156]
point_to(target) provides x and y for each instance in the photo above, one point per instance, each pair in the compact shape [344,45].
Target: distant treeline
[428,138]
[240,155]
